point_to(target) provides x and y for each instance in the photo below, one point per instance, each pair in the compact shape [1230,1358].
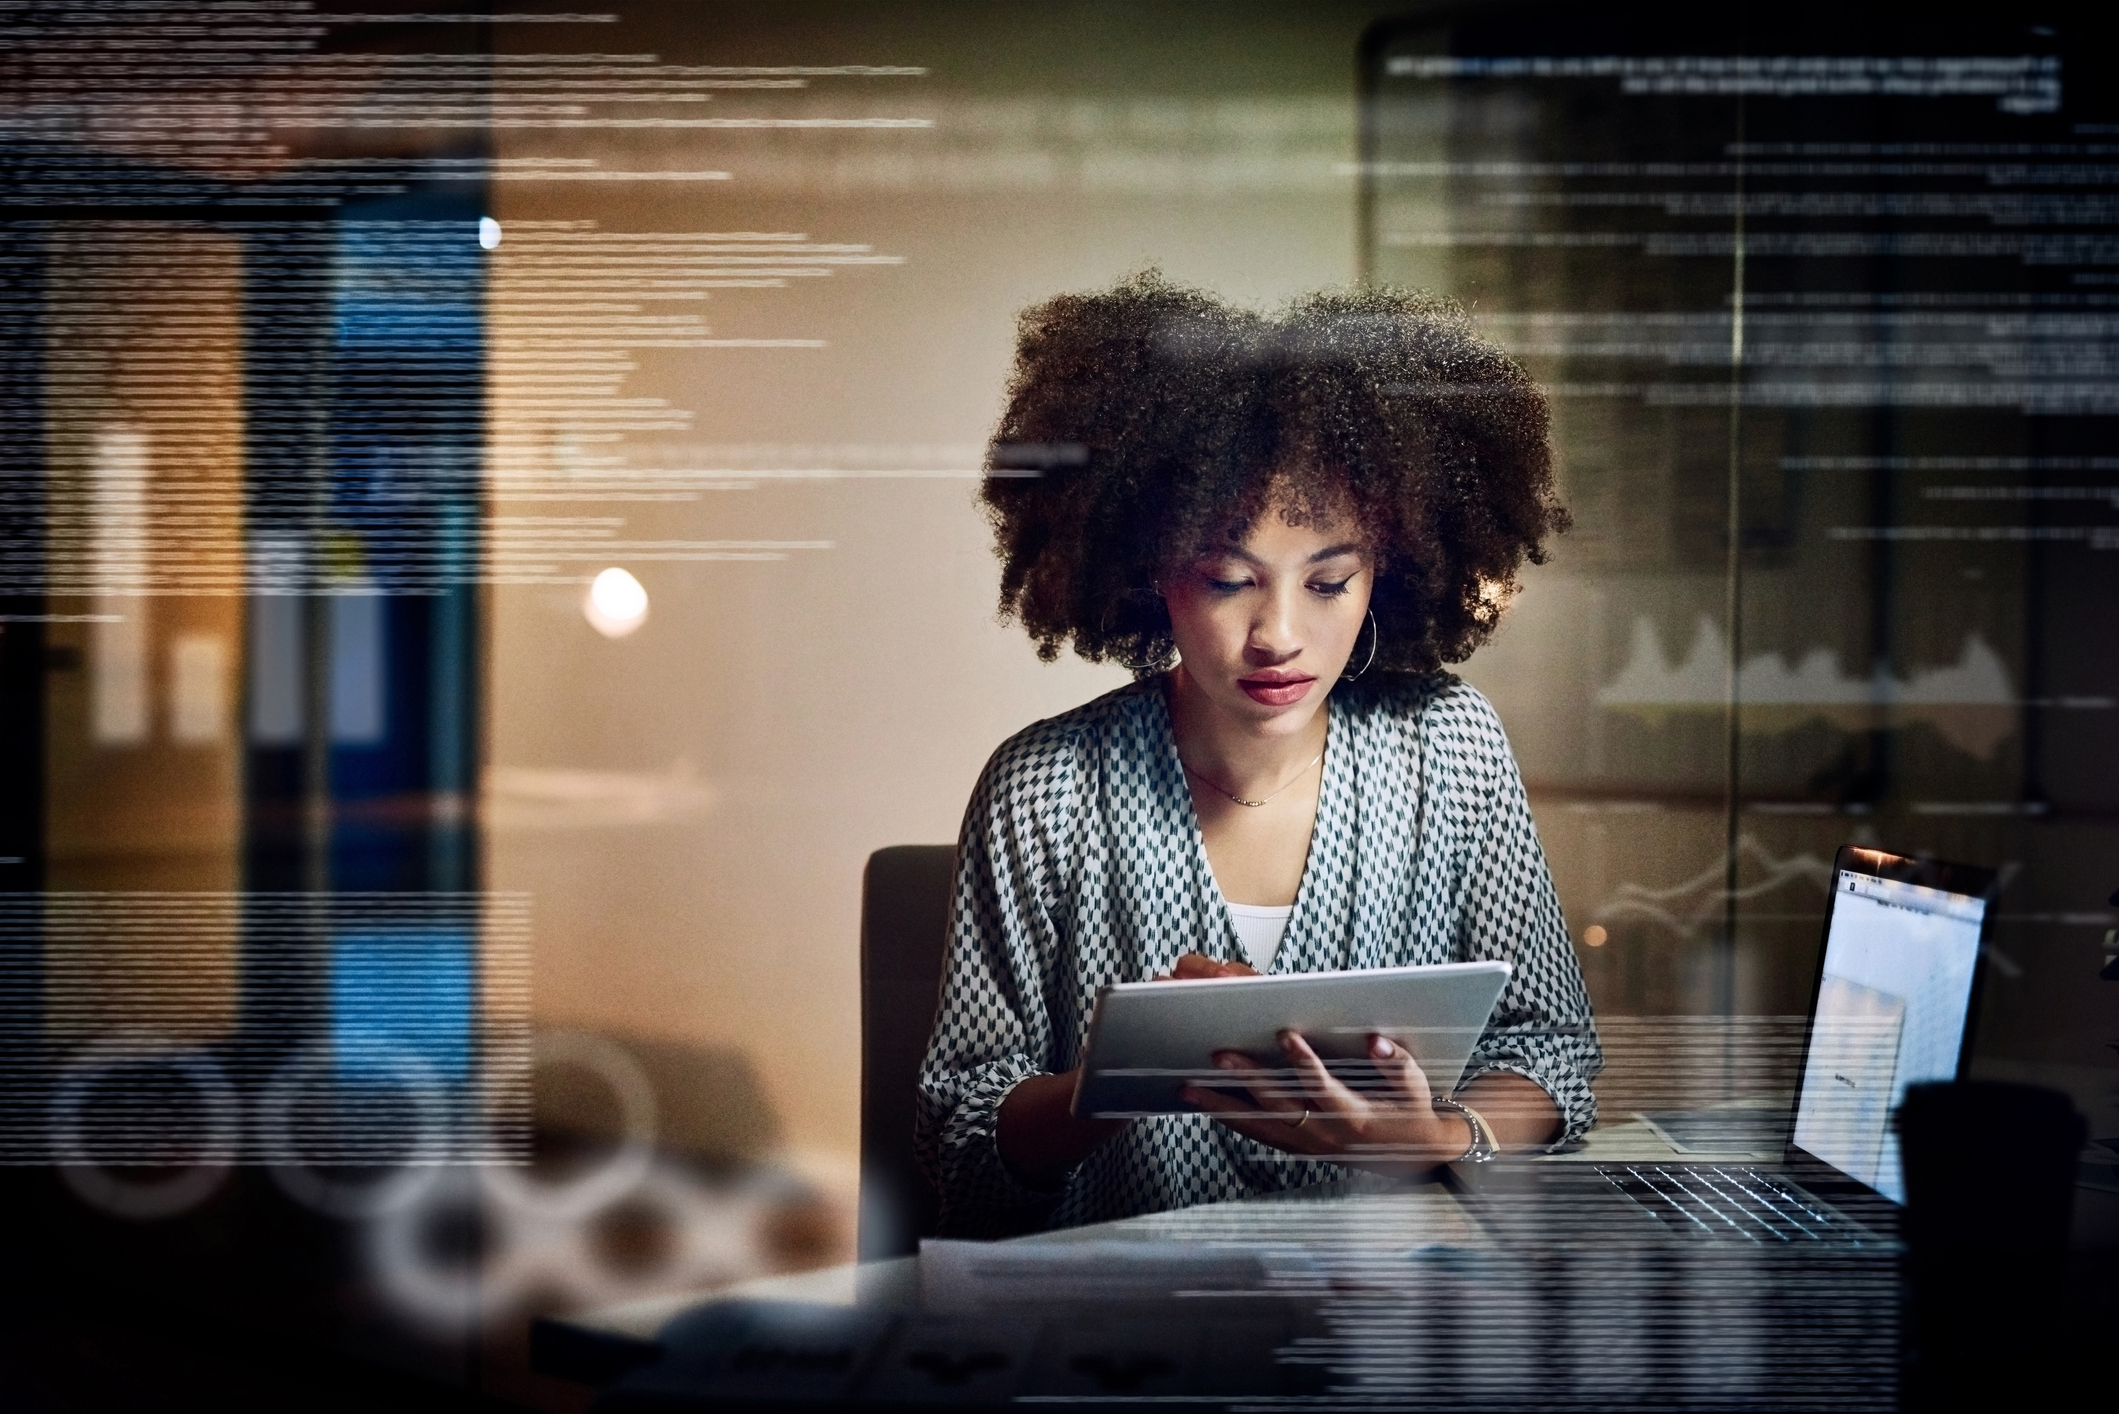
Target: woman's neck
[1239,756]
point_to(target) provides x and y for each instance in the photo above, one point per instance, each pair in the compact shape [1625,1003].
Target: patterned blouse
[1081,863]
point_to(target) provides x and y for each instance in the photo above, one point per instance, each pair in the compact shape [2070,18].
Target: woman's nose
[1273,632]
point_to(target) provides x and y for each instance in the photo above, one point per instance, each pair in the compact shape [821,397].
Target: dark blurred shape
[1129,1373]
[1990,1182]
[743,1356]
[709,1103]
[2110,971]
[904,917]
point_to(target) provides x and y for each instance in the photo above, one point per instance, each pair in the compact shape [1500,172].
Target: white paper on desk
[1392,1220]
[976,1276]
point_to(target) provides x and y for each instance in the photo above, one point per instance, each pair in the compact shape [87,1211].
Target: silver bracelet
[1483,1148]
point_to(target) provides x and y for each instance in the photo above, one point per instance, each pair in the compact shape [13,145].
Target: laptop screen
[1892,1004]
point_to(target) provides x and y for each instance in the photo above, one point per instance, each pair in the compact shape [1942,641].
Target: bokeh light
[616,603]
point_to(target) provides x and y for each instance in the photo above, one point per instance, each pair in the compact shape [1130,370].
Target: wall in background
[692,804]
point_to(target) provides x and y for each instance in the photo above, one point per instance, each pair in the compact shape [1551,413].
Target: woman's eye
[1227,586]
[1332,589]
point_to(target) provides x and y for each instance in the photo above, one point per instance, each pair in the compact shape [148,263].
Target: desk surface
[1431,1213]
[1344,1232]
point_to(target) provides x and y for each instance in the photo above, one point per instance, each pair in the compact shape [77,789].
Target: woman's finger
[1225,1104]
[1400,1072]
[1287,1129]
[1323,1089]
[1216,1101]
[1192,967]
[1280,1134]
[1270,1087]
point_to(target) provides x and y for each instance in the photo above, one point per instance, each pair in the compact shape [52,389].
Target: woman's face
[1265,629]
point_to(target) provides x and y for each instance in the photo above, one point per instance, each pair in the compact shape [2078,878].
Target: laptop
[1896,989]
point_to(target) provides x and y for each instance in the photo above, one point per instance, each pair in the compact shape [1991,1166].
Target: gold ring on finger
[1300,1122]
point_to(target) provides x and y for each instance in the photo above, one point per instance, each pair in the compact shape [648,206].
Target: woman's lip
[1276,691]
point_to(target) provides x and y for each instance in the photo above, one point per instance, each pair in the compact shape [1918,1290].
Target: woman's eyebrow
[1329,552]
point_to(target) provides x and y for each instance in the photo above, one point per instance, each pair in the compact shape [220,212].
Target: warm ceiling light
[616,603]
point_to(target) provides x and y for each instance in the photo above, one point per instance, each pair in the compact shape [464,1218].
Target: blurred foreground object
[1990,1183]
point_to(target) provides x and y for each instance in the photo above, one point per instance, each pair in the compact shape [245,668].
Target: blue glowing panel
[395,995]
[359,664]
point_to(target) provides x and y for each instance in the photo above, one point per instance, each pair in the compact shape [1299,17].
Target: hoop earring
[1375,636]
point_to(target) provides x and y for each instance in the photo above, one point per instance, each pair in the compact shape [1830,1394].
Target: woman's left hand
[1303,1108]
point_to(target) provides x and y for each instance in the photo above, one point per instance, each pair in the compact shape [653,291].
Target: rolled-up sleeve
[993,1028]
[1541,1028]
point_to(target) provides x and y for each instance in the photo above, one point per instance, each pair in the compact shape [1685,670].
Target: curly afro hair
[1148,423]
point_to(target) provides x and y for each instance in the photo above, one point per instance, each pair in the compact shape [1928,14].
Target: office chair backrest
[904,921]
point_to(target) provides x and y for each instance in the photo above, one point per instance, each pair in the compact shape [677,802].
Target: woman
[1284,526]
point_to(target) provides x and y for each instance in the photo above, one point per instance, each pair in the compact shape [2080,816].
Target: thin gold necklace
[1253,804]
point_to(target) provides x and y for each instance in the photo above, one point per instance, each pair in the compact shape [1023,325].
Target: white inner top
[1260,929]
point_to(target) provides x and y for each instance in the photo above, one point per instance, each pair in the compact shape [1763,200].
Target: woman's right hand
[1040,1137]
[1195,967]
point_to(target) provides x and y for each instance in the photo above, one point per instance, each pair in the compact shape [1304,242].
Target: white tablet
[1146,1039]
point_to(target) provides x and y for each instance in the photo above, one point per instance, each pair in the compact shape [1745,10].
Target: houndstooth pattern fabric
[1081,863]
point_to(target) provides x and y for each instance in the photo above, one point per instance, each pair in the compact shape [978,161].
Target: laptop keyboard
[1730,1202]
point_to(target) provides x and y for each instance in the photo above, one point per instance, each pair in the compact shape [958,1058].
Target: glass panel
[1827,377]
